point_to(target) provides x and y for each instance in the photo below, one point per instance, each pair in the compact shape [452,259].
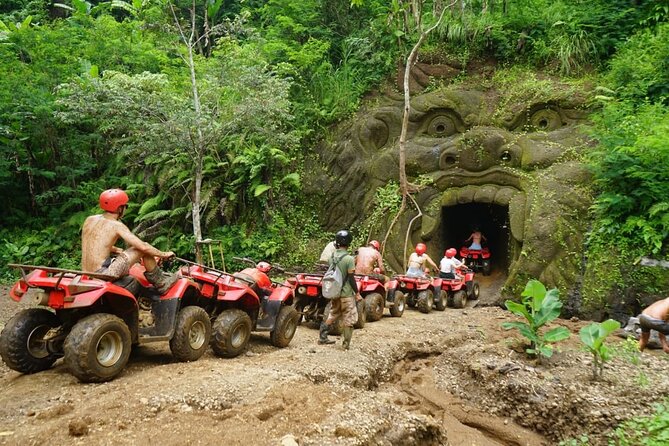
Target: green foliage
[593,336]
[640,70]
[631,218]
[651,430]
[538,307]
[583,440]
[387,201]
[629,351]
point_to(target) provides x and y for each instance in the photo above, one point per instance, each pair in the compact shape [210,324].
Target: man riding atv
[368,257]
[101,232]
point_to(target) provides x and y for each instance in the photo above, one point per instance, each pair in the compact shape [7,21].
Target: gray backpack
[333,282]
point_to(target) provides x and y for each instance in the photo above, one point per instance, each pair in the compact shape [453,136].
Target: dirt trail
[449,377]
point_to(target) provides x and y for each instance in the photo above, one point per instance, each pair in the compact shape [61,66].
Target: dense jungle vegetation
[208,109]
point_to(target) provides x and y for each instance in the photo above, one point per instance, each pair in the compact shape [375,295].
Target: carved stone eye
[545,119]
[374,134]
[441,126]
[505,156]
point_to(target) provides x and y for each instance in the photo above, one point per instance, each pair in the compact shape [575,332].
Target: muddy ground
[452,377]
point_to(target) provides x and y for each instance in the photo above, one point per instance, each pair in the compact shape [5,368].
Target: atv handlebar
[245,259]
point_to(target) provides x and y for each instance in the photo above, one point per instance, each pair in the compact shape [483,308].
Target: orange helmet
[375,244]
[420,249]
[263,267]
[112,199]
[450,252]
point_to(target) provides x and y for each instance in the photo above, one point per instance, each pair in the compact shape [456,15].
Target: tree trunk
[199,144]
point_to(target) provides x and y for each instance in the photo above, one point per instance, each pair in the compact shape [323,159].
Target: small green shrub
[593,337]
[538,307]
[652,430]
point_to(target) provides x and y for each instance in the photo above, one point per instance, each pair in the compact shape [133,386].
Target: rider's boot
[347,333]
[323,335]
[161,280]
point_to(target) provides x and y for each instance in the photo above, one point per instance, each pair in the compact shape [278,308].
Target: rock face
[500,155]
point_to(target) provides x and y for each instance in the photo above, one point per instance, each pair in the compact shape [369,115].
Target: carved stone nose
[476,150]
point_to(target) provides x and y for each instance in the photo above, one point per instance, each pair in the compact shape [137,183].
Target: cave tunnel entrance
[458,222]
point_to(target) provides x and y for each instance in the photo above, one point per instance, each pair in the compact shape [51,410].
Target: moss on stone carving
[509,144]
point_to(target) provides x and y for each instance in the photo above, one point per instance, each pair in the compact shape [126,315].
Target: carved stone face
[508,166]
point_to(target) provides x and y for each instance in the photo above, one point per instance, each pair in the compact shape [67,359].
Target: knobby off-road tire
[399,303]
[475,291]
[440,301]
[459,299]
[98,347]
[21,342]
[191,335]
[231,333]
[374,303]
[425,301]
[285,327]
[336,328]
[486,267]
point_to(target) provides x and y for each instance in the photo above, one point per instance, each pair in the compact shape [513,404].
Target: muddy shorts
[649,323]
[343,308]
[118,266]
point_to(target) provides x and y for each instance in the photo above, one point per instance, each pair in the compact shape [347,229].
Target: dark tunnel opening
[459,221]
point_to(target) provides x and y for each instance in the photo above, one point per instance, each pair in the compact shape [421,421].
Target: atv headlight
[403,284]
[41,298]
[302,289]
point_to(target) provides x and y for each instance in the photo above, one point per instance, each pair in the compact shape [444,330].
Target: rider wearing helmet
[417,260]
[449,264]
[343,307]
[368,257]
[99,235]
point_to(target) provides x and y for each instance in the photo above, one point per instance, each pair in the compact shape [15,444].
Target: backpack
[333,281]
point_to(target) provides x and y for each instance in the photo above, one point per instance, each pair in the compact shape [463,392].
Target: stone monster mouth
[495,186]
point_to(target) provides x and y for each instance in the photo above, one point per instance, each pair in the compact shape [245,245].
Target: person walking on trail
[476,238]
[100,233]
[417,260]
[655,317]
[449,265]
[343,307]
[368,259]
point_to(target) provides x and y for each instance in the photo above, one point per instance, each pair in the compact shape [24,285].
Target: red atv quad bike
[421,292]
[243,302]
[313,307]
[477,259]
[375,295]
[458,290]
[92,322]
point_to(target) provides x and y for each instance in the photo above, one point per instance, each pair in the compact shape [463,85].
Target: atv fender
[244,298]
[282,294]
[110,293]
[165,314]
[271,310]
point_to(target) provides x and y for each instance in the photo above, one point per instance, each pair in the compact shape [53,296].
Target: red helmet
[375,244]
[420,249]
[112,199]
[450,252]
[263,267]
